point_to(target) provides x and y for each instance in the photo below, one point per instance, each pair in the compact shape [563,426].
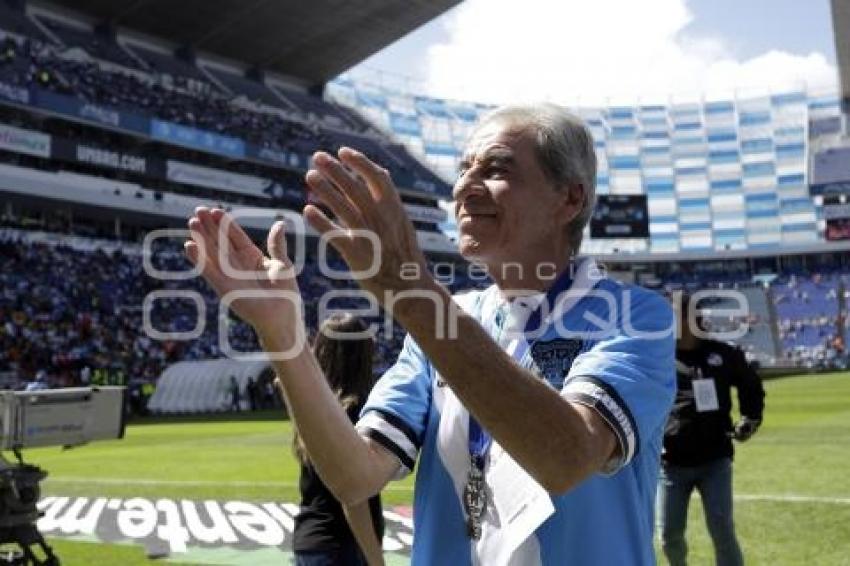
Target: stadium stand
[97,43]
[18,22]
[718,175]
[239,85]
[103,138]
[33,64]
[167,64]
[809,317]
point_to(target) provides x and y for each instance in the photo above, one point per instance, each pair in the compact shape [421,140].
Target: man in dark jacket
[697,451]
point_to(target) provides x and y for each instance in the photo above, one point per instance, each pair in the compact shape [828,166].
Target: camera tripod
[28,539]
[19,494]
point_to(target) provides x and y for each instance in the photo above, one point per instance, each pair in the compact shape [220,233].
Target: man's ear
[571,202]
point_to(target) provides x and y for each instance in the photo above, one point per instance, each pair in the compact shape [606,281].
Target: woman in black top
[326,532]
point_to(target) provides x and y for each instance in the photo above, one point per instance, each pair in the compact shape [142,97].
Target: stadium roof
[841,27]
[311,40]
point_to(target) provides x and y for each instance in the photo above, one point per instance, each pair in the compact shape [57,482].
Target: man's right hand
[370,229]
[745,429]
[232,264]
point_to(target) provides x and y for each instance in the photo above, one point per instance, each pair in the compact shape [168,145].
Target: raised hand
[233,265]
[371,231]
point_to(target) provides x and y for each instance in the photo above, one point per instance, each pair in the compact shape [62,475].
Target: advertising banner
[181,172]
[68,150]
[98,113]
[836,212]
[14,93]
[278,158]
[218,532]
[620,216]
[419,213]
[24,141]
[197,139]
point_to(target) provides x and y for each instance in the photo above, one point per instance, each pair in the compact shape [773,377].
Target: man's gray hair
[564,148]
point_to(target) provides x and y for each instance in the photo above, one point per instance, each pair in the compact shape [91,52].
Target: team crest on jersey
[552,360]
[715,359]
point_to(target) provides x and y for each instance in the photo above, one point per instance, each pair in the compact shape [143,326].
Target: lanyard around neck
[479,439]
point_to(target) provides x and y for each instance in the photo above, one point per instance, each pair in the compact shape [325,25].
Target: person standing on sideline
[536,408]
[698,437]
[251,393]
[233,389]
[326,532]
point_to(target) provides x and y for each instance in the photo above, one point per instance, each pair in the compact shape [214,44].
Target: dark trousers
[713,481]
[348,555]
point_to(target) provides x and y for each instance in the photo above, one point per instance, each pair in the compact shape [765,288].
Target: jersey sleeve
[629,377]
[396,412]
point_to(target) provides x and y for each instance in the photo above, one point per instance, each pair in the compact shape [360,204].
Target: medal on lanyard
[475,492]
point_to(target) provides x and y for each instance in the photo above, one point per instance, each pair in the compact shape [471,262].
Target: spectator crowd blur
[75,316]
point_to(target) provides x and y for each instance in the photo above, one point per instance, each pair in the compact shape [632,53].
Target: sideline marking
[794,498]
[145,481]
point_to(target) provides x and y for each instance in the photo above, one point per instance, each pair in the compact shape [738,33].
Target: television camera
[51,417]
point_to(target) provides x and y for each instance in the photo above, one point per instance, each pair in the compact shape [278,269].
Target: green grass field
[792,480]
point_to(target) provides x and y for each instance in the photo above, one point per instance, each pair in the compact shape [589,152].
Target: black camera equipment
[52,417]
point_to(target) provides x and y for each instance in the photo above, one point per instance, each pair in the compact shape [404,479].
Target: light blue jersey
[610,347]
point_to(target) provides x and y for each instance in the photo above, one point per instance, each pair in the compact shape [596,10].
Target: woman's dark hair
[346,361]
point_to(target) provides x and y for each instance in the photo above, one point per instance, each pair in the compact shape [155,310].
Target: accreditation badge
[521,504]
[705,395]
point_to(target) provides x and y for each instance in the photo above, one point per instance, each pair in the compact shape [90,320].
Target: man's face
[505,205]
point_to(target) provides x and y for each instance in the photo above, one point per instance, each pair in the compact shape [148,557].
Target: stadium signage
[278,158]
[69,150]
[620,216]
[425,214]
[166,526]
[836,188]
[113,159]
[14,93]
[197,139]
[836,213]
[181,172]
[97,113]
[24,141]
[408,181]
[100,114]
[831,166]
[423,185]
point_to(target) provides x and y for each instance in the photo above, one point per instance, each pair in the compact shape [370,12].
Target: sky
[591,52]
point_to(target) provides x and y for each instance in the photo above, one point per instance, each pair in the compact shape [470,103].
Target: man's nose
[468,184]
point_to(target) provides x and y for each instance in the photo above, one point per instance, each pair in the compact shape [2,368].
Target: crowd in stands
[71,313]
[314,125]
[809,326]
[809,317]
[74,315]
[67,310]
